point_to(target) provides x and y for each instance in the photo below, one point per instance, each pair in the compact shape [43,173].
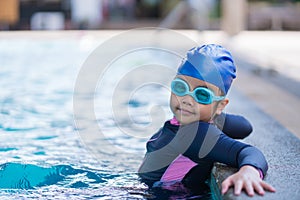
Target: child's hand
[246,178]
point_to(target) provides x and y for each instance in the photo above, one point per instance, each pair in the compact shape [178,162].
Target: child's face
[187,110]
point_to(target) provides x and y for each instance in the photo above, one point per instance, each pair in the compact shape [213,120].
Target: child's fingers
[238,186]
[249,188]
[225,185]
[259,188]
[268,187]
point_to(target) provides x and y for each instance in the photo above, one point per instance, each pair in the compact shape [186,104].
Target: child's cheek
[206,112]
[174,101]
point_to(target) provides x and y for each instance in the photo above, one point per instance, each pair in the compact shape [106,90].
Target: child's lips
[185,111]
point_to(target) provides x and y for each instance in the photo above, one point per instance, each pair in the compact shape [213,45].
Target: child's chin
[185,121]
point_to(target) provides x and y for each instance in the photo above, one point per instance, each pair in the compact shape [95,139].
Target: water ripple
[29,176]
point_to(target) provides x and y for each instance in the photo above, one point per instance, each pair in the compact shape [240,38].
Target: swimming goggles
[200,94]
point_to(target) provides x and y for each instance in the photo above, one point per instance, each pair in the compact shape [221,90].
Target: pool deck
[266,92]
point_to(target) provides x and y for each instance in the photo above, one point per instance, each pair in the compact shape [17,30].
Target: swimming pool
[45,152]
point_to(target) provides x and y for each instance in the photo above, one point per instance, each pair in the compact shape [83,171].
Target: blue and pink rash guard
[186,153]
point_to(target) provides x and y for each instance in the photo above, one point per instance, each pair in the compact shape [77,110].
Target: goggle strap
[218,98]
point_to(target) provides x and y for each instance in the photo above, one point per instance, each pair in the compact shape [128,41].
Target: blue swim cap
[210,63]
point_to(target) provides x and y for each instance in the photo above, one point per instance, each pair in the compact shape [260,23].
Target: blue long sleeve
[218,147]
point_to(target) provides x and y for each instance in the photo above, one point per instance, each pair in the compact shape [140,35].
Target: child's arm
[248,159]
[234,126]
[248,177]
[250,162]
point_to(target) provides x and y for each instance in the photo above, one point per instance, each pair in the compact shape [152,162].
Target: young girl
[184,149]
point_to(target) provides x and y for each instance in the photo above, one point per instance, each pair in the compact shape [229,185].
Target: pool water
[43,154]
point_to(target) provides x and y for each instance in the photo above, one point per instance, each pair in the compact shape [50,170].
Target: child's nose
[188,100]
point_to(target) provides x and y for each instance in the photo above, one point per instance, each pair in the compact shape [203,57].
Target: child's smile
[185,112]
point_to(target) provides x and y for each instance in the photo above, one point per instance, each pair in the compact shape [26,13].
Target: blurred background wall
[230,15]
